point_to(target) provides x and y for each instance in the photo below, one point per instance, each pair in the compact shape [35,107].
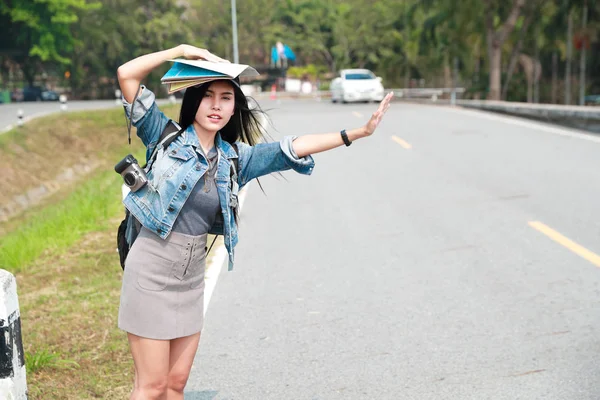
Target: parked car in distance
[592,100]
[356,85]
[49,95]
[36,93]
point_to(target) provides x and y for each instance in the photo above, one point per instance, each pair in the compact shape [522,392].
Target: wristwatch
[347,141]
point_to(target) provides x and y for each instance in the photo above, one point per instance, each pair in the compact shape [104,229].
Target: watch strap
[347,141]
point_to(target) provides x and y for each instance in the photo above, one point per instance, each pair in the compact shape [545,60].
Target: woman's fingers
[385,102]
[377,116]
[208,56]
[191,52]
[217,59]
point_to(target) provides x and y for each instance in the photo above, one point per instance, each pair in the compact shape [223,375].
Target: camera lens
[129,179]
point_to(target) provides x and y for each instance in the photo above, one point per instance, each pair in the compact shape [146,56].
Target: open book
[185,73]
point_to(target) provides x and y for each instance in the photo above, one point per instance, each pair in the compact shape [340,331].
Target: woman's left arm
[311,144]
[295,152]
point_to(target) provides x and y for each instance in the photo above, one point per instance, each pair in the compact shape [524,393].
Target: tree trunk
[530,90]
[536,66]
[447,77]
[330,60]
[528,65]
[582,60]
[495,73]
[455,72]
[477,68]
[495,40]
[569,56]
[28,68]
[554,76]
[514,57]
[5,71]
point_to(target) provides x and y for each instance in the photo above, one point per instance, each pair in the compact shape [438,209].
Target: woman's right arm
[147,118]
[133,72]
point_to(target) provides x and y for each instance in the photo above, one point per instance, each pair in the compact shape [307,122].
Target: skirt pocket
[154,271]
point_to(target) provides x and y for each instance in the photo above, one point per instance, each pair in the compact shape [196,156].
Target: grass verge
[58,226]
[63,255]
[68,278]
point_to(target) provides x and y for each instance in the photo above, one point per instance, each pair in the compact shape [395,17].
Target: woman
[192,190]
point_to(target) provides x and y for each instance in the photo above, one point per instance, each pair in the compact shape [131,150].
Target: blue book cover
[180,71]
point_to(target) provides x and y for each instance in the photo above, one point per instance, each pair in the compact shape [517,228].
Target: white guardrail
[581,117]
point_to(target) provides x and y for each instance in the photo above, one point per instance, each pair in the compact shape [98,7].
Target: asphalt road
[453,255]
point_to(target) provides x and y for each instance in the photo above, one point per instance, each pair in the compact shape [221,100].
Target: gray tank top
[200,210]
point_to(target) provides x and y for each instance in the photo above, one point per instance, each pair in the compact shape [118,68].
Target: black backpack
[171,132]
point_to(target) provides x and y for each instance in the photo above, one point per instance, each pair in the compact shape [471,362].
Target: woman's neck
[206,138]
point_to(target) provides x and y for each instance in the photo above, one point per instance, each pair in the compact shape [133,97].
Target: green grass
[58,226]
[46,359]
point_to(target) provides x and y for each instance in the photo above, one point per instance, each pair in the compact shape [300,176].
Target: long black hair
[245,124]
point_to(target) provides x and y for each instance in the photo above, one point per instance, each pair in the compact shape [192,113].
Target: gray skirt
[162,294]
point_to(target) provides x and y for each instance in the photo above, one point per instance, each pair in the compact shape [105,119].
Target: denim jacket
[177,170]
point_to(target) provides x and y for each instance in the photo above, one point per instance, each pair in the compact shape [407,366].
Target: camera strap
[129,121]
[167,136]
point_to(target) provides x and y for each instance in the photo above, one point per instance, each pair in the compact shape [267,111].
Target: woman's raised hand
[378,115]
[196,53]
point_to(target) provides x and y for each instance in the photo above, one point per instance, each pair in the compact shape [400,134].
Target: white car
[356,85]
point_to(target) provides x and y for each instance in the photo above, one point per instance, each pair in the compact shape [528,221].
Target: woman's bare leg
[151,361]
[181,359]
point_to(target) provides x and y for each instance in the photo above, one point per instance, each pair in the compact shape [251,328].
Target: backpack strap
[233,176]
[236,161]
[171,132]
[130,120]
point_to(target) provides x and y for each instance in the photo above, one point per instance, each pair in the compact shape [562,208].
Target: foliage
[443,42]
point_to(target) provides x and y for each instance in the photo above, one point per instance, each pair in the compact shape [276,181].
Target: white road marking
[214,268]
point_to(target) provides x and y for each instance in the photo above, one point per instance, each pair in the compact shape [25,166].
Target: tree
[39,31]
[112,38]
[496,36]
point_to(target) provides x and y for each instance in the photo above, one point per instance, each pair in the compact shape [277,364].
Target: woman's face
[217,106]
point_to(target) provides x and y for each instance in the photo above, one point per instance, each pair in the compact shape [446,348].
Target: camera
[134,176]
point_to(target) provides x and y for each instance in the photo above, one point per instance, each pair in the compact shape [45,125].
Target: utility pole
[536,66]
[405,35]
[582,59]
[236,56]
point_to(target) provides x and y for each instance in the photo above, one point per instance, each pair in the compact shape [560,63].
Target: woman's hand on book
[195,53]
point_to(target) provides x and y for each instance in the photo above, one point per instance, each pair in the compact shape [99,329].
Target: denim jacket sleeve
[265,158]
[147,118]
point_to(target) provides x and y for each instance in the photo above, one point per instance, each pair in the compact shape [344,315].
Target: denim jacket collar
[191,138]
[225,147]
